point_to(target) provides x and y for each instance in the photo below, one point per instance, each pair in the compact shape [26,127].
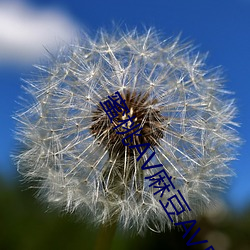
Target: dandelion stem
[105,236]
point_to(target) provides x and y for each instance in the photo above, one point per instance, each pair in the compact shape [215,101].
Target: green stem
[105,236]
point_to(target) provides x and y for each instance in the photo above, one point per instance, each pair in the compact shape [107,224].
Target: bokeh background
[29,28]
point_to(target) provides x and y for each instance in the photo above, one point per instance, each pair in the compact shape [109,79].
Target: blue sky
[221,27]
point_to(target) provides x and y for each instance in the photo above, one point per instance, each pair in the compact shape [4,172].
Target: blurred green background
[27,225]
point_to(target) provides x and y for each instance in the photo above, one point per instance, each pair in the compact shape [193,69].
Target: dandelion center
[146,114]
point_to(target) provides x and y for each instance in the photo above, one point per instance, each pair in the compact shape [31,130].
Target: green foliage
[25,226]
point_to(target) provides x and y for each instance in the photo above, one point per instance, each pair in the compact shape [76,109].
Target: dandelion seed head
[78,160]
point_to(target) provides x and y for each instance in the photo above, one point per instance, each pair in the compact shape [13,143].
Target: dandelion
[78,160]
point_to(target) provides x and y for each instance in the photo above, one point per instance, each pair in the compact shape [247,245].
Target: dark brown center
[149,118]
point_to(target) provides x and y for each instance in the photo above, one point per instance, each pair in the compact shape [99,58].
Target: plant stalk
[105,236]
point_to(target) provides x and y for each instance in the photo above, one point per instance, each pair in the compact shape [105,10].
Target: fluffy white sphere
[78,160]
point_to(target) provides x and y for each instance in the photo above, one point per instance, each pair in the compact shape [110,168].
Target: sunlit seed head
[78,160]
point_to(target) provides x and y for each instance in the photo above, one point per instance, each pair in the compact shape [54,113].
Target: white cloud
[25,31]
